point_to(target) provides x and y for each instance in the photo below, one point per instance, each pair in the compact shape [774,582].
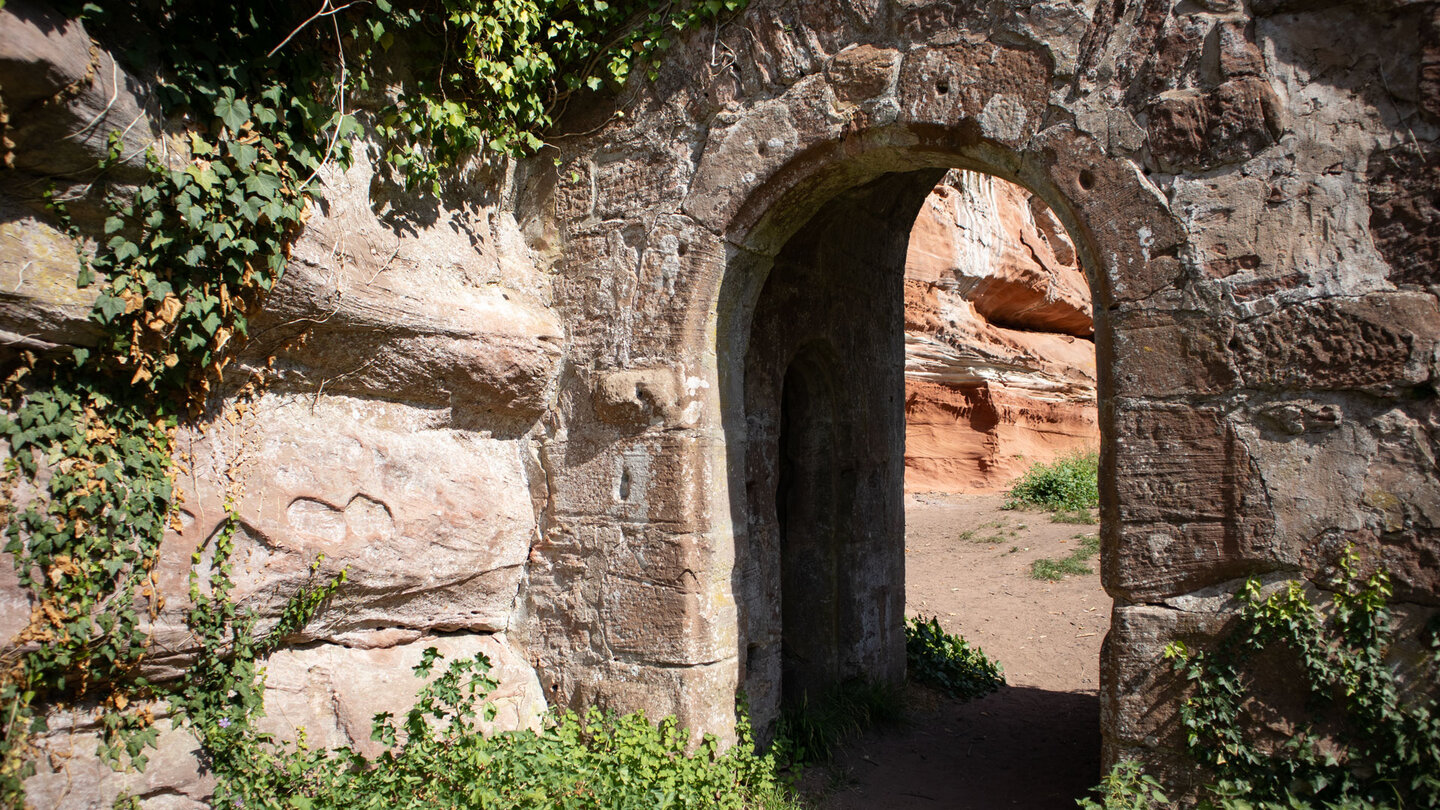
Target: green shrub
[948,662]
[1128,787]
[1070,483]
[436,756]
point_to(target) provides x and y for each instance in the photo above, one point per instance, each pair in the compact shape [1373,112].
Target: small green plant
[437,755]
[1365,736]
[948,662]
[1126,787]
[810,733]
[1070,483]
[1055,570]
[1078,517]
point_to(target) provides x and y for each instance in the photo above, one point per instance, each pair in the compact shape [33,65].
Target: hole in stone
[942,87]
[1087,179]
[624,488]
[682,249]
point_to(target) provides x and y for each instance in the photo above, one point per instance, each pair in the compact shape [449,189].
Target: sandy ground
[1036,742]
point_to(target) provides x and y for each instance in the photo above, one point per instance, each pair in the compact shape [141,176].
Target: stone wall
[540,419]
[999,339]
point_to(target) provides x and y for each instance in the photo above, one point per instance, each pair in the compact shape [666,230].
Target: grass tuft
[810,733]
[1055,570]
[1078,517]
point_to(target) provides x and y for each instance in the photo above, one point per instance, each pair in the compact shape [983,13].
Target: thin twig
[115,94]
[325,11]
[318,391]
[21,282]
[386,265]
[294,321]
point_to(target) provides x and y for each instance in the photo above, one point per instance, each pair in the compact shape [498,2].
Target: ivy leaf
[109,305]
[263,185]
[232,111]
[244,154]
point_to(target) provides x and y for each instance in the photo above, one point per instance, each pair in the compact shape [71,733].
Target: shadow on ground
[1018,748]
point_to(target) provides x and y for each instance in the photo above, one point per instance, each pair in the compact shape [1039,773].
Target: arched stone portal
[1206,268]
[559,446]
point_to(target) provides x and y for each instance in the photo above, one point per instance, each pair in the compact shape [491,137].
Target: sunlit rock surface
[999,346]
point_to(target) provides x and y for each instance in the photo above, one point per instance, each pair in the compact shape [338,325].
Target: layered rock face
[999,339]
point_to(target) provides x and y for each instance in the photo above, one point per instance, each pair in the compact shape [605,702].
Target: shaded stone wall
[526,414]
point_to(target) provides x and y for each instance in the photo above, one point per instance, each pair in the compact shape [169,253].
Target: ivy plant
[1377,736]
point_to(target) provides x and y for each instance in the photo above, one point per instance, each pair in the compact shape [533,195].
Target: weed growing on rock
[1126,787]
[1369,737]
[947,662]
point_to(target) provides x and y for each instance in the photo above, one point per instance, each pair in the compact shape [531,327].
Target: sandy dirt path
[1035,744]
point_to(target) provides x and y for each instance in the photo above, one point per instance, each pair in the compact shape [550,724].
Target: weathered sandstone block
[432,524]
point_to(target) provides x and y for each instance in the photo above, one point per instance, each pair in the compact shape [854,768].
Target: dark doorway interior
[812,540]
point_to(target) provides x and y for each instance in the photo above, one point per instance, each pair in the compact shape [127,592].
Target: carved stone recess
[550,417]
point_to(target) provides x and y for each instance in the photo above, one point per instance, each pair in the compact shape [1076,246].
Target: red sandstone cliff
[999,356]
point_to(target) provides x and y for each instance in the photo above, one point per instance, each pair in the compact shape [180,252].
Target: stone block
[64,97]
[1194,130]
[1159,354]
[1380,343]
[863,72]
[432,525]
[70,776]
[315,688]
[1192,506]
[1000,89]
[41,306]
[659,480]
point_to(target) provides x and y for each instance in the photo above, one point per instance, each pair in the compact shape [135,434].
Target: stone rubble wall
[999,339]
[521,418]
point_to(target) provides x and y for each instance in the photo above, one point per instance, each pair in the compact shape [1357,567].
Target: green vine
[495,74]
[1375,740]
[186,258]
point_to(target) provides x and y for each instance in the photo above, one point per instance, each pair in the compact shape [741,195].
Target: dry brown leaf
[169,308]
[133,301]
